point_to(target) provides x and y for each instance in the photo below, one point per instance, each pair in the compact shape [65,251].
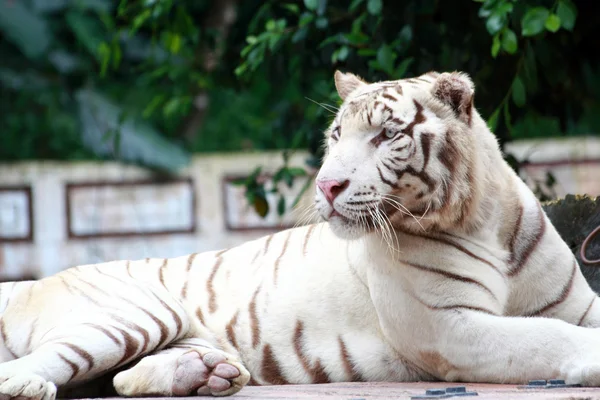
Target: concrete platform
[380,391]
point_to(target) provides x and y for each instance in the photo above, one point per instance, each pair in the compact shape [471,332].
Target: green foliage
[169,77]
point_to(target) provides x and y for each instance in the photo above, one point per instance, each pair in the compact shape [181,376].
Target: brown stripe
[256,256]
[161,273]
[513,238]
[212,296]
[106,332]
[81,353]
[30,335]
[452,276]
[74,367]
[425,148]
[389,97]
[564,293]
[75,291]
[188,267]
[133,326]
[458,247]
[267,243]
[67,285]
[384,180]
[347,361]
[455,307]
[176,317]
[164,330]
[200,316]
[467,204]
[271,371]
[254,322]
[531,245]
[253,382]
[587,310]
[5,338]
[317,373]
[131,346]
[230,330]
[449,156]
[307,237]
[128,264]
[278,260]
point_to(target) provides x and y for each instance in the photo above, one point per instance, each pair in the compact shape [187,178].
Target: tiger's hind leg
[188,367]
[51,349]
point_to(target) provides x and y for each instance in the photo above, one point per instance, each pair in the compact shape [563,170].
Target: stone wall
[55,215]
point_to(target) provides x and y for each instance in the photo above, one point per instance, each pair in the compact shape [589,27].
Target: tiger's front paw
[586,374]
[208,374]
[26,387]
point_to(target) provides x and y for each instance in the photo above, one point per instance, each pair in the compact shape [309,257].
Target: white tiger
[434,260]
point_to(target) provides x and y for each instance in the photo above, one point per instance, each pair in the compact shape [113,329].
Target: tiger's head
[403,154]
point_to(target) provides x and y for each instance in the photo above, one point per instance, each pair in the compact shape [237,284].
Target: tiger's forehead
[366,105]
[421,83]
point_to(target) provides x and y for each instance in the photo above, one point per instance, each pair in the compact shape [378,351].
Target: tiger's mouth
[363,218]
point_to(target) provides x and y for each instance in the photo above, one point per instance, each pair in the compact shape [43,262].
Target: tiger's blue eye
[389,134]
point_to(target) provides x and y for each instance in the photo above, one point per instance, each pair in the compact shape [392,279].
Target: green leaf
[139,20]
[281,206]
[311,4]
[300,34]
[386,58]
[509,41]
[104,54]
[343,53]
[305,19]
[552,23]
[296,171]
[28,31]
[367,52]
[530,73]
[567,12]
[534,20]
[495,45]
[321,22]
[354,5]
[518,92]
[507,116]
[374,7]
[293,8]
[403,67]
[495,23]
[261,206]
[493,120]
[87,30]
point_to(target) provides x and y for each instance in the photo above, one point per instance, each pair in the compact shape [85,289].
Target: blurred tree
[150,81]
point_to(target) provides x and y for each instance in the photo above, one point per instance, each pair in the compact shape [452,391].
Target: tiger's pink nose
[332,188]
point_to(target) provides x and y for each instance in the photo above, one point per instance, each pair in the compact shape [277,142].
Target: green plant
[151,81]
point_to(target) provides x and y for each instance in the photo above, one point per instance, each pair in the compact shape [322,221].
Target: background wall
[54,215]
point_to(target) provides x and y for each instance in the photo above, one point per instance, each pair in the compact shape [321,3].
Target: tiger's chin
[346,228]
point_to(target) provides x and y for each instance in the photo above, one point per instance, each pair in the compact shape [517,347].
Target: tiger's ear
[346,83]
[456,89]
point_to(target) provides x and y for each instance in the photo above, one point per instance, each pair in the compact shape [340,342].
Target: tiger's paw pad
[26,387]
[211,374]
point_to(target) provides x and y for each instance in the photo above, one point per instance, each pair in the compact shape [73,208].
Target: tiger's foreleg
[478,347]
[188,367]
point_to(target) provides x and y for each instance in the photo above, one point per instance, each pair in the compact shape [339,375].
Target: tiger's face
[394,152]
